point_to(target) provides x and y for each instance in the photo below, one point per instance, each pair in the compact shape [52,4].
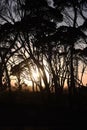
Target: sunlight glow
[35,75]
[29,83]
[13,80]
[33,79]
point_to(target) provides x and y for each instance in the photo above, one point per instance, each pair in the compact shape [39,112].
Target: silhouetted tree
[44,32]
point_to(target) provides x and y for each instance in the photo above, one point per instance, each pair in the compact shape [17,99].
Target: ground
[34,110]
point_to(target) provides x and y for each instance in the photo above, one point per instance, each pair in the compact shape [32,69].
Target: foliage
[35,32]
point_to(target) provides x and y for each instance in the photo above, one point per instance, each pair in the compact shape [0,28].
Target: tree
[45,32]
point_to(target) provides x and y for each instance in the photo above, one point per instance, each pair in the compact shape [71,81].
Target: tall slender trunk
[7,76]
[39,66]
[1,78]
[72,81]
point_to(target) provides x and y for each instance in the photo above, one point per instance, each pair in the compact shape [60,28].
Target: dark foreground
[33,111]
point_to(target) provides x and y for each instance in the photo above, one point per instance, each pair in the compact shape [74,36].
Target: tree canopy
[35,35]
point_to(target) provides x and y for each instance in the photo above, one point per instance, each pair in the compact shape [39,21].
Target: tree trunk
[1,78]
[72,81]
[7,76]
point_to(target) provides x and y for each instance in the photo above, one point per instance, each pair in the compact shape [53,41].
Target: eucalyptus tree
[46,31]
[67,35]
[9,15]
[37,22]
[74,13]
[8,46]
